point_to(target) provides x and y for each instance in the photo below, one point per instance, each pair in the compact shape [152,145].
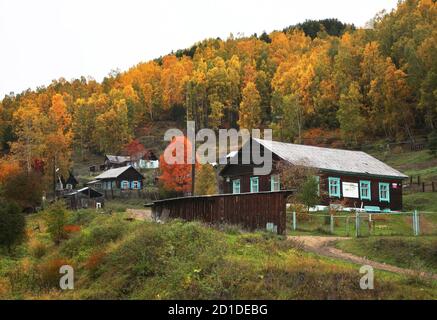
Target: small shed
[84,198]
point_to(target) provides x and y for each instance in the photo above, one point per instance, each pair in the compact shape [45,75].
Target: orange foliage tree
[175,167]
[135,149]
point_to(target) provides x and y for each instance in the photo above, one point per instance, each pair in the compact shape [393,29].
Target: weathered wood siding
[244,172]
[395,193]
[250,210]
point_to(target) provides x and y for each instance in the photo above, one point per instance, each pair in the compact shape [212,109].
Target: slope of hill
[118,259]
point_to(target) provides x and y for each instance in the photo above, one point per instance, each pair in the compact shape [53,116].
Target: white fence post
[294,220]
[416,223]
[332,223]
[357,224]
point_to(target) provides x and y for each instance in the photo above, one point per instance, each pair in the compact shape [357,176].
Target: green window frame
[275,184]
[236,186]
[334,187]
[254,184]
[124,184]
[384,192]
[365,190]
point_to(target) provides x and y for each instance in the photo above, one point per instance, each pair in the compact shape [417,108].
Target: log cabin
[119,179]
[353,178]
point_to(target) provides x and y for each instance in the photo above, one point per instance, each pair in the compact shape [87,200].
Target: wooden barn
[84,198]
[118,179]
[353,178]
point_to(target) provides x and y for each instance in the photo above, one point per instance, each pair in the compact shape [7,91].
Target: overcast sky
[42,40]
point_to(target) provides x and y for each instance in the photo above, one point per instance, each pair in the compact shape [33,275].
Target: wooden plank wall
[250,210]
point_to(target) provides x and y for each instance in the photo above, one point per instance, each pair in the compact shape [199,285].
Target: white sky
[42,40]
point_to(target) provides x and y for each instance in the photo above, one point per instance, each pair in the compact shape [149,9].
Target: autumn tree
[23,188]
[250,108]
[206,180]
[349,115]
[59,135]
[135,149]
[112,128]
[175,167]
[29,129]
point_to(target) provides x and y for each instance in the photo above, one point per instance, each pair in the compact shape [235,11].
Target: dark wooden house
[84,198]
[353,178]
[144,160]
[112,162]
[65,185]
[114,181]
[71,182]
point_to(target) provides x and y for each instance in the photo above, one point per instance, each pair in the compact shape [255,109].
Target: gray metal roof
[330,159]
[112,173]
[118,159]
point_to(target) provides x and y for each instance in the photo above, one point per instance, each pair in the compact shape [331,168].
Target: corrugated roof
[117,159]
[330,159]
[112,173]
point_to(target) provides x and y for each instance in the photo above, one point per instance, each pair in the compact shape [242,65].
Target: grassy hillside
[412,163]
[119,259]
[408,252]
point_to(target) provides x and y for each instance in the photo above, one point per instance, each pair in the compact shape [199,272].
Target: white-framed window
[136,185]
[125,184]
[365,191]
[69,186]
[254,184]
[236,186]
[334,187]
[384,192]
[275,184]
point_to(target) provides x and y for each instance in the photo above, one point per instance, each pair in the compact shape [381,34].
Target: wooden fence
[251,210]
[416,184]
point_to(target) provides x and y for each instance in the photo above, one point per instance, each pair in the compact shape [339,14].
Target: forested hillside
[307,80]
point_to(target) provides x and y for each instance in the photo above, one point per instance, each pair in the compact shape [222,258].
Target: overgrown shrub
[37,249]
[48,272]
[56,219]
[12,225]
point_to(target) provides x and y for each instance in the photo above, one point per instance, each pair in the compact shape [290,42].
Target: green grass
[382,224]
[419,253]
[120,205]
[118,259]
[412,163]
[422,201]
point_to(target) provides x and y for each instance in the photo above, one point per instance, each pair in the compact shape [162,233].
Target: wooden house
[354,178]
[144,160]
[147,160]
[84,198]
[64,185]
[112,162]
[114,181]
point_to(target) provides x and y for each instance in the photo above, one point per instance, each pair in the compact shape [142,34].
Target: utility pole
[54,177]
[193,165]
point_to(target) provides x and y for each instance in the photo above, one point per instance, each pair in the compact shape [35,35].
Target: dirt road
[324,246]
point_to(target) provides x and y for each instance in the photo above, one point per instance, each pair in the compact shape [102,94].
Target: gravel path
[325,246]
